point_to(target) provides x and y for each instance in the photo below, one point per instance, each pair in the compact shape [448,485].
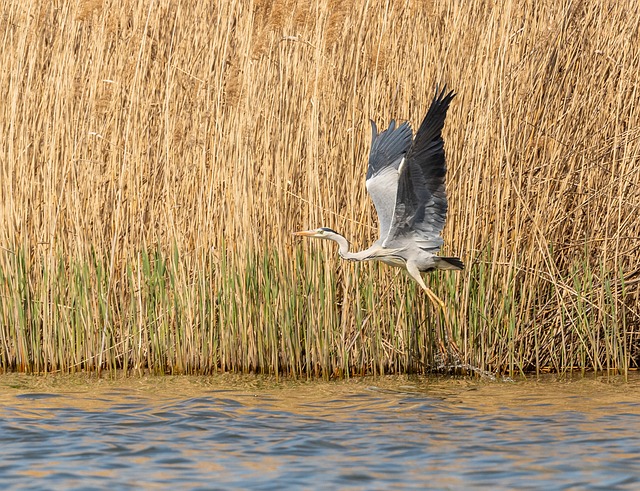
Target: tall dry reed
[156,157]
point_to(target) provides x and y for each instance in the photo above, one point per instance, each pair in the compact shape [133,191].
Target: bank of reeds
[156,157]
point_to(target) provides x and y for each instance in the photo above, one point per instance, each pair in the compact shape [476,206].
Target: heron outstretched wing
[421,200]
[387,151]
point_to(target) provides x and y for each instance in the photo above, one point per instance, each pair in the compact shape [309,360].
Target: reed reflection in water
[364,434]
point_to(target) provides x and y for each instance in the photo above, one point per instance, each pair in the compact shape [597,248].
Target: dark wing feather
[421,200]
[387,151]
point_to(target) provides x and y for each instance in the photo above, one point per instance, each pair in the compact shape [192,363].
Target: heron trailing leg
[437,302]
[415,274]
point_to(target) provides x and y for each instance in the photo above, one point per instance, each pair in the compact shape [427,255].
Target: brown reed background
[157,155]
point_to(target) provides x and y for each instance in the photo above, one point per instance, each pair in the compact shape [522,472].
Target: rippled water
[388,433]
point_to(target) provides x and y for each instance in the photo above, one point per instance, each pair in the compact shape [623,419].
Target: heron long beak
[305,233]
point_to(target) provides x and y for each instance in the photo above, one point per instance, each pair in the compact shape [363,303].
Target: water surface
[229,432]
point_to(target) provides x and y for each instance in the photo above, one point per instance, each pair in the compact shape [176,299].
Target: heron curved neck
[344,250]
[343,243]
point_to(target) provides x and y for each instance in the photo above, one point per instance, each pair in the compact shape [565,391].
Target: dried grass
[157,157]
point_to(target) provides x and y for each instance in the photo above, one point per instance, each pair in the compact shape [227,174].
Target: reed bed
[157,155]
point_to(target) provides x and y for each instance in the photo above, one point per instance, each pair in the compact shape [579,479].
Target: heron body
[406,181]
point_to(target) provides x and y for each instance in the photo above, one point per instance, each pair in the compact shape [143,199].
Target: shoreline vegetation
[157,156]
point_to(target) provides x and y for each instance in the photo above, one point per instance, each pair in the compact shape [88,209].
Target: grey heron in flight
[406,181]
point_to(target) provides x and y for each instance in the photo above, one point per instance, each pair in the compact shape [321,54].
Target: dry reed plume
[156,157]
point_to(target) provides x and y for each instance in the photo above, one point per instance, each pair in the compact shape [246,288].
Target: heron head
[320,233]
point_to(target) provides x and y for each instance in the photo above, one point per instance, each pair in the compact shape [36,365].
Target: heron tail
[449,263]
